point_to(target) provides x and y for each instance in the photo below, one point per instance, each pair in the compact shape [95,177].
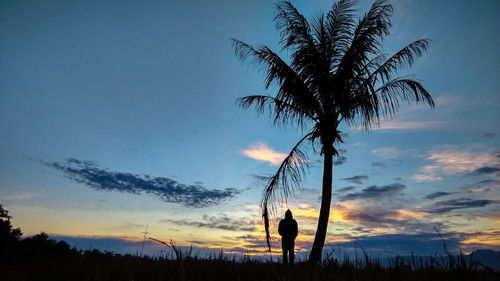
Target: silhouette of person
[288,230]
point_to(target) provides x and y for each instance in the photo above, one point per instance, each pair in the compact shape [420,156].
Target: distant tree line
[13,249]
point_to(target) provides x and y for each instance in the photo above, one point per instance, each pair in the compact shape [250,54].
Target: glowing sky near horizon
[115,115]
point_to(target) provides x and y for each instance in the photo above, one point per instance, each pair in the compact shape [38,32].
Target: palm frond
[286,179]
[340,27]
[292,90]
[402,59]
[373,103]
[319,31]
[366,41]
[281,112]
[385,100]
[294,29]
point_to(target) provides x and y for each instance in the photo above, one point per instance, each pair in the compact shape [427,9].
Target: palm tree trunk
[324,213]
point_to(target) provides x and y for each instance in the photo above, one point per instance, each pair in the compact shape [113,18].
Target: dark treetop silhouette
[336,73]
[288,230]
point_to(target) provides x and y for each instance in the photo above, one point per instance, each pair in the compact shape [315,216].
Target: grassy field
[39,258]
[56,261]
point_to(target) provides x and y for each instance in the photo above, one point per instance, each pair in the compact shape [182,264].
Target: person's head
[288,214]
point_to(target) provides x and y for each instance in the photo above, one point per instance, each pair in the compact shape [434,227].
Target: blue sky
[145,92]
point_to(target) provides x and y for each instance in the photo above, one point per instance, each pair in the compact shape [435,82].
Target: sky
[120,115]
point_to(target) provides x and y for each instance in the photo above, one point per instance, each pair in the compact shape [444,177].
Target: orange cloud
[425,178]
[407,214]
[338,213]
[453,162]
[487,237]
[262,152]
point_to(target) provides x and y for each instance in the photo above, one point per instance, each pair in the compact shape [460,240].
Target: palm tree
[336,73]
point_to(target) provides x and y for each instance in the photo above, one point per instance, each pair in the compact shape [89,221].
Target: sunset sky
[115,115]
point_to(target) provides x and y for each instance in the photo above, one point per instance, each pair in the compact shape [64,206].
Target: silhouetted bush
[9,236]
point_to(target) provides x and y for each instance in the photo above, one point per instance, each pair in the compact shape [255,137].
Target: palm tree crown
[336,73]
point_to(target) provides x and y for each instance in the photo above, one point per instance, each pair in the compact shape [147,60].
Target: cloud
[454,161]
[425,178]
[340,160]
[262,152]
[356,179]
[346,188]
[496,153]
[167,189]
[488,134]
[223,222]
[405,125]
[379,164]
[261,178]
[119,245]
[424,244]
[483,185]
[461,203]
[374,191]
[480,239]
[372,217]
[437,194]
[410,125]
[486,170]
[450,160]
[389,152]
[22,196]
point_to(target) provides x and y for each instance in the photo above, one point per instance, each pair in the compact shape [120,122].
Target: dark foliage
[9,236]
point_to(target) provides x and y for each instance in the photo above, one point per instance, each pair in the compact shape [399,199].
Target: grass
[40,258]
[184,265]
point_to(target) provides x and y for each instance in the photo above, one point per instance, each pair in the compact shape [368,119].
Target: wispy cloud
[261,178]
[345,189]
[386,125]
[486,170]
[483,185]
[167,189]
[387,152]
[461,203]
[376,219]
[453,161]
[425,178]
[356,179]
[403,244]
[379,164]
[262,152]
[488,134]
[374,191]
[22,196]
[437,194]
[223,222]
[371,217]
[450,160]
[410,125]
[340,160]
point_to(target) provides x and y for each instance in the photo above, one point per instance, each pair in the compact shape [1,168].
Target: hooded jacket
[287,227]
